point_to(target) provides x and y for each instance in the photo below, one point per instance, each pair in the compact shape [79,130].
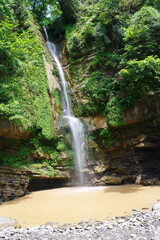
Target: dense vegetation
[116,46]
[24,98]
[23,81]
[37,154]
[113,49]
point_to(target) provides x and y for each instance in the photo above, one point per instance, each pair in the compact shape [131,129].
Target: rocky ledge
[16,183]
[13,184]
[129,153]
[140,226]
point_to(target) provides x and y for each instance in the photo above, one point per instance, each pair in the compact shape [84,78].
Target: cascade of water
[75,125]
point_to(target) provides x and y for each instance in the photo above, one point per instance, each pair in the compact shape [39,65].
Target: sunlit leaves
[23,81]
[45,11]
[5,9]
[142,37]
[140,78]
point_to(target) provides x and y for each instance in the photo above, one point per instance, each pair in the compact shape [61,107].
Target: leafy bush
[57,95]
[142,37]
[23,87]
[106,137]
[113,112]
[114,73]
[6,10]
[153,3]
[25,154]
[140,78]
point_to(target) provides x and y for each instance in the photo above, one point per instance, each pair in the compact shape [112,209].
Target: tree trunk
[68,10]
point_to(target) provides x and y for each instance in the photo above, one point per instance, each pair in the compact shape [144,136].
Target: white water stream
[75,125]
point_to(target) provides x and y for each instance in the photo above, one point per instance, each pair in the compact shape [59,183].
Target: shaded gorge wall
[130,153]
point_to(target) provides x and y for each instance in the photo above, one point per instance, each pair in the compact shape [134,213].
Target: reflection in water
[71,205]
[124,189]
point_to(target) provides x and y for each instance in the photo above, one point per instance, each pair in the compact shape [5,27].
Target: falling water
[75,125]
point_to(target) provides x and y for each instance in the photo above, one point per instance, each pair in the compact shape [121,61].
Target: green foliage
[45,11]
[6,10]
[106,137]
[16,10]
[142,37]
[94,40]
[153,3]
[81,36]
[99,24]
[114,112]
[114,50]
[23,92]
[140,78]
[114,54]
[55,72]
[86,109]
[92,144]
[97,88]
[19,159]
[57,95]
[20,8]
[68,30]
[37,154]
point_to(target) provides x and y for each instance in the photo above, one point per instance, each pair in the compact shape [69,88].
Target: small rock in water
[8,222]
[134,210]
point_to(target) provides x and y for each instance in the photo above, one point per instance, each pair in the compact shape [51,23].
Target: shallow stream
[72,205]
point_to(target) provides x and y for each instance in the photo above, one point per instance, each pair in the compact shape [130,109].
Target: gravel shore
[140,226]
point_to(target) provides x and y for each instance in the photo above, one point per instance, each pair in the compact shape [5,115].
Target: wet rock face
[16,183]
[41,183]
[12,185]
[134,155]
[132,159]
[7,129]
[142,111]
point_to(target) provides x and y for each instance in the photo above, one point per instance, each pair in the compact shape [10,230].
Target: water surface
[72,205]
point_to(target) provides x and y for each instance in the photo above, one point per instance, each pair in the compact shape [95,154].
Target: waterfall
[75,125]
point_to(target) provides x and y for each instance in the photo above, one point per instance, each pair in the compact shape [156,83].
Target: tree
[48,10]
[142,37]
[153,3]
[5,9]
[141,76]
[45,10]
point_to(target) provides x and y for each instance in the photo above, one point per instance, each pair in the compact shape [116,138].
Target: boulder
[110,180]
[150,181]
[94,123]
[8,222]
[100,169]
[138,179]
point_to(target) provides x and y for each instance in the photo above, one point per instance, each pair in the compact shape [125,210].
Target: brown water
[71,205]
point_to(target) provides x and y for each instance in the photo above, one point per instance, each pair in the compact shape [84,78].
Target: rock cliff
[133,156]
